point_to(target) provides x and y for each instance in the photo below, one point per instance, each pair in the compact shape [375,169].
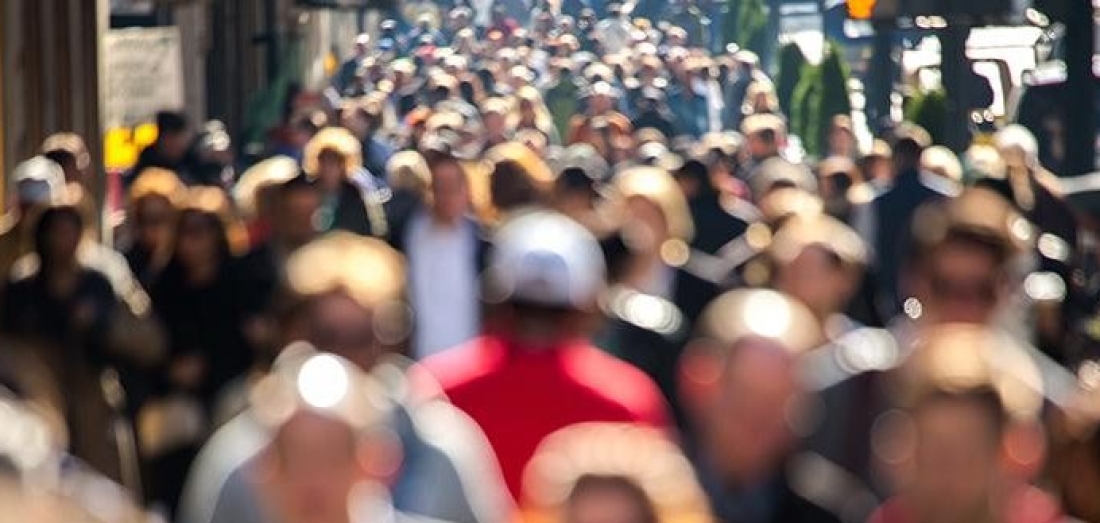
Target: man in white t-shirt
[443,246]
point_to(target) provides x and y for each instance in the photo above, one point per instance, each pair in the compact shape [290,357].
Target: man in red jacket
[534,372]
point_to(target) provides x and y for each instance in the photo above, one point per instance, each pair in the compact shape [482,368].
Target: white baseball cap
[545,258]
[39,180]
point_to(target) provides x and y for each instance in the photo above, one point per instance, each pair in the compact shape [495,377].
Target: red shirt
[519,397]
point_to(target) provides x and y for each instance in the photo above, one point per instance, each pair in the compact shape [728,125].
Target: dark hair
[225,251]
[171,122]
[45,224]
[590,483]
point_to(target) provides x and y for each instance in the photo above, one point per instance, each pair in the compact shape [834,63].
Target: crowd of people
[551,266]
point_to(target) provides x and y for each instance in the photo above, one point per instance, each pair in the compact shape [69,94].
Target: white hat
[39,181]
[545,258]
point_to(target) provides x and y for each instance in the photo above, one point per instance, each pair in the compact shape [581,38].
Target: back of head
[545,259]
[910,141]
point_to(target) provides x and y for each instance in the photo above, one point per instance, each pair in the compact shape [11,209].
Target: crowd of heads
[779,338]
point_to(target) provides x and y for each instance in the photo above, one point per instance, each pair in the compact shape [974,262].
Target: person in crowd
[364,120]
[171,150]
[885,222]
[597,472]
[942,162]
[745,403]
[155,198]
[689,98]
[444,288]
[214,162]
[201,298]
[601,126]
[332,161]
[67,312]
[878,166]
[409,178]
[581,179]
[519,180]
[346,294]
[842,138]
[347,71]
[970,414]
[1036,194]
[531,114]
[255,194]
[562,93]
[843,188]
[765,137]
[545,274]
[653,113]
[330,454]
[38,183]
[494,116]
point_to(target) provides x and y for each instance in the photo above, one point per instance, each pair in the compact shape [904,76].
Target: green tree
[804,104]
[929,110]
[746,25]
[835,98]
[791,64]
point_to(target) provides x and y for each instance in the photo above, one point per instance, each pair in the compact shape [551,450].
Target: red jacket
[519,396]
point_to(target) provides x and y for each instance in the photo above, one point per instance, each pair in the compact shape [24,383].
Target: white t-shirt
[444,283]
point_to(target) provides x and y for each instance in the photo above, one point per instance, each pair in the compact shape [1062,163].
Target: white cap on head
[545,258]
[39,181]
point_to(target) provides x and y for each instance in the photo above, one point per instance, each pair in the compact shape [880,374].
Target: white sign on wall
[143,74]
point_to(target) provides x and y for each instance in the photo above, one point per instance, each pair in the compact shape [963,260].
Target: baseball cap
[545,258]
[39,181]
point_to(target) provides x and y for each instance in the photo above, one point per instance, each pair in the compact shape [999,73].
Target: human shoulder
[619,383]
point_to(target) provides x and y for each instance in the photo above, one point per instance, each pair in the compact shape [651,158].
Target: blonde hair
[158,182]
[659,188]
[367,270]
[940,160]
[335,139]
[259,180]
[409,170]
[641,456]
[211,201]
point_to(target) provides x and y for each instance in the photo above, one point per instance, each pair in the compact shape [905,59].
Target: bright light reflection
[322,382]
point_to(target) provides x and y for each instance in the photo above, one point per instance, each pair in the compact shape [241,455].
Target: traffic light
[861,9]
[884,10]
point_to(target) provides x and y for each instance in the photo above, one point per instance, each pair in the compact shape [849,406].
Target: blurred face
[331,168]
[749,415]
[153,222]
[956,460]
[817,278]
[963,284]
[758,148]
[494,124]
[174,145]
[604,504]
[450,197]
[197,240]
[841,142]
[297,221]
[62,240]
[600,104]
[314,467]
[648,224]
[338,324]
